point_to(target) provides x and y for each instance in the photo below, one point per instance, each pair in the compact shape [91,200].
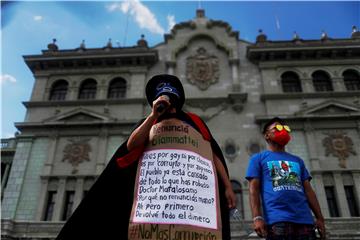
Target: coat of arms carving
[76,152]
[339,145]
[202,69]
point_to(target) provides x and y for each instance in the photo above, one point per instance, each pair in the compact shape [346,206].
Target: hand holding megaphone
[161,104]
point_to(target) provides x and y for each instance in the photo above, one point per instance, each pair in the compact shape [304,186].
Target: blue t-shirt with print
[282,175]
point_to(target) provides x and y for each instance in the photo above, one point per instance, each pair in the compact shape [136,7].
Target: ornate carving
[254,147]
[339,145]
[202,69]
[76,152]
[231,149]
[238,101]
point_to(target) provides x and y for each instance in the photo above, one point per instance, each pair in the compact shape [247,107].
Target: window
[322,82]
[88,89]
[290,82]
[230,149]
[3,167]
[117,88]
[49,210]
[58,90]
[331,200]
[69,202]
[253,148]
[5,172]
[351,80]
[238,192]
[351,200]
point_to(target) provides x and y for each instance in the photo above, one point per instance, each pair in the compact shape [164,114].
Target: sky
[27,27]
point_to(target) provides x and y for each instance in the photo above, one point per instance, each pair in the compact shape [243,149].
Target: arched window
[58,90]
[238,192]
[322,81]
[117,88]
[351,80]
[88,89]
[290,82]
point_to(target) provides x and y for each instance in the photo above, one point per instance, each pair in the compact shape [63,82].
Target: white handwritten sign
[176,186]
[176,192]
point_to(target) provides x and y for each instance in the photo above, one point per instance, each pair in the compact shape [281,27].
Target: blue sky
[27,28]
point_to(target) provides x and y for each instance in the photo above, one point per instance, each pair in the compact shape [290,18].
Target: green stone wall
[16,179]
[28,202]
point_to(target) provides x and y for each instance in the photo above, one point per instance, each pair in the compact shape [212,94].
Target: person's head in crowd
[168,87]
[276,132]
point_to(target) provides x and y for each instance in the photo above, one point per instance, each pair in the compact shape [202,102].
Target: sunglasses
[280,127]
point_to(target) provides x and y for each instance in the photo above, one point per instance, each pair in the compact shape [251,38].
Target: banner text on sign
[176,187]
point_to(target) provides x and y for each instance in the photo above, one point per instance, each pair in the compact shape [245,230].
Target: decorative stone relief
[76,152]
[238,101]
[230,149]
[254,147]
[339,145]
[202,69]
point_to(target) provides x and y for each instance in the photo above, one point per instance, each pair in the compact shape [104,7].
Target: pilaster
[53,141]
[42,200]
[102,146]
[320,194]
[59,202]
[79,189]
[341,196]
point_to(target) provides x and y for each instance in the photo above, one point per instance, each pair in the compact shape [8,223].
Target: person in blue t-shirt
[283,182]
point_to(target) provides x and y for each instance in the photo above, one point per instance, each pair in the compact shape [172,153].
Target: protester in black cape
[105,211]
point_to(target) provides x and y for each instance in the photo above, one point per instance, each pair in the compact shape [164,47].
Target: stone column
[79,189]
[310,140]
[307,85]
[40,89]
[53,141]
[356,177]
[341,197]
[170,66]
[59,202]
[73,91]
[320,194]
[338,84]
[101,151]
[101,92]
[358,127]
[234,63]
[42,200]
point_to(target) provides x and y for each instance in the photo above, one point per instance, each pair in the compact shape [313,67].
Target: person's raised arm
[141,134]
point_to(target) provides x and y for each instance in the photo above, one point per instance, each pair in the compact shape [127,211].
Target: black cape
[105,211]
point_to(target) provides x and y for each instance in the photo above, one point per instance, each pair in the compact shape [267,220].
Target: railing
[8,143]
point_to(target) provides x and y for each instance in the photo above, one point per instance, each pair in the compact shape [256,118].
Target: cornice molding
[276,96]
[77,103]
[351,116]
[69,59]
[305,51]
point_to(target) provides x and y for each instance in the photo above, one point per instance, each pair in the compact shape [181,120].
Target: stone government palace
[85,101]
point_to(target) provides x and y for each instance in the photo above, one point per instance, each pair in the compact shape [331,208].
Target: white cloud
[7,78]
[38,18]
[142,14]
[171,21]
